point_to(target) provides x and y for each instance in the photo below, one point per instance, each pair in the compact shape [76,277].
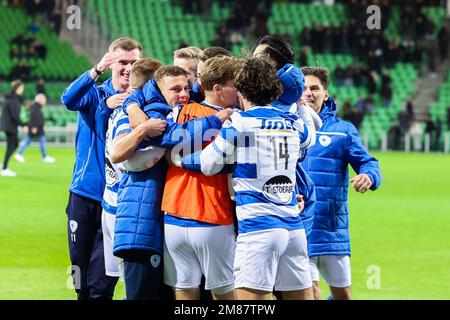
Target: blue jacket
[89,170]
[338,145]
[139,218]
[144,96]
[293,81]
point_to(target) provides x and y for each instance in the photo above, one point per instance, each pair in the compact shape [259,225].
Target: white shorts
[335,270]
[113,264]
[190,252]
[272,259]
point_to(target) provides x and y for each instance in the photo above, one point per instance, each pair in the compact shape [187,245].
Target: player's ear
[217,88]
[240,99]
[327,95]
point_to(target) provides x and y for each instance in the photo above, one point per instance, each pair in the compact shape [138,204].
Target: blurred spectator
[409,108]
[437,134]
[405,119]
[371,83]
[19,40]
[360,105]
[236,37]
[351,114]
[416,133]
[40,49]
[369,104]
[347,110]
[348,80]
[14,53]
[305,36]
[386,88]
[357,75]
[434,129]
[10,121]
[432,54]
[448,118]
[429,126]
[221,39]
[56,16]
[35,130]
[40,86]
[21,71]
[392,54]
[443,39]
[339,76]
[303,56]
[37,7]
[257,27]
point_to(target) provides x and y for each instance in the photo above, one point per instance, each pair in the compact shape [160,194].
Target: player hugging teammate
[188,177]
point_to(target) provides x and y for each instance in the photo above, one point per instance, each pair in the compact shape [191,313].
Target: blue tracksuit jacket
[338,145]
[89,100]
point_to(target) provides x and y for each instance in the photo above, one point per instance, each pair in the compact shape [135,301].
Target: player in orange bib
[198,223]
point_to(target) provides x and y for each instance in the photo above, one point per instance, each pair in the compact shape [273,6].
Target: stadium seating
[62,63]
[160,26]
[290,18]
[377,124]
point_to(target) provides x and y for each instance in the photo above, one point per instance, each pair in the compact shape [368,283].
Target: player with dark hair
[279,51]
[271,249]
[327,163]
[276,48]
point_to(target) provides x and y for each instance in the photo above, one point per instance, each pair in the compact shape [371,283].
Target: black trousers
[86,249]
[144,276]
[12,142]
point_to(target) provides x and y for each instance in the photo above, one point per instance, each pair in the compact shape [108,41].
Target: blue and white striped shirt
[264,143]
[118,124]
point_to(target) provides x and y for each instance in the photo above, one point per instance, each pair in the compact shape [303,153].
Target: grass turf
[401,230]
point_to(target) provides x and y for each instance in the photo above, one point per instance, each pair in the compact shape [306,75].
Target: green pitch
[400,238]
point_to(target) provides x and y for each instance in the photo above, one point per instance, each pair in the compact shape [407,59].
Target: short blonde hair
[219,70]
[188,53]
[125,43]
[143,70]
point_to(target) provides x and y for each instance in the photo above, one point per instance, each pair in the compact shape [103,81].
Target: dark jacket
[36,120]
[11,113]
